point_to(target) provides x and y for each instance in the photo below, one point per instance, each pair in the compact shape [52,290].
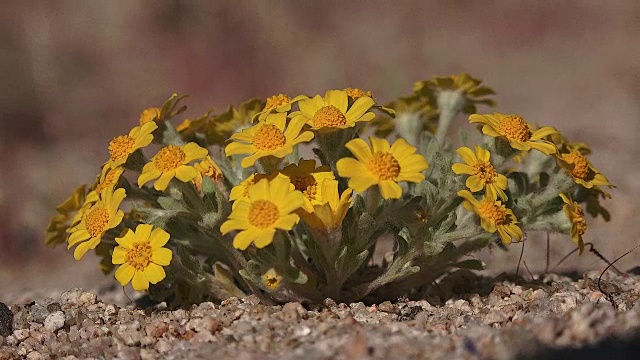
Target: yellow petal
[194,151]
[243,239]
[359,149]
[482,154]
[467,155]
[127,240]
[379,145]
[543,132]
[161,256]
[119,255]
[390,189]
[460,168]
[359,107]
[162,182]
[311,106]
[362,183]
[337,98]
[474,183]
[490,131]
[124,274]
[140,281]
[84,247]
[401,149]
[544,147]
[186,173]
[264,238]
[295,125]
[410,177]
[158,238]
[154,273]
[286,222]
[236,148]
[78,236]
[147,176]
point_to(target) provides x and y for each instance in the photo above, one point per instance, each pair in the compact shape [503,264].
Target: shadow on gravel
[628,348]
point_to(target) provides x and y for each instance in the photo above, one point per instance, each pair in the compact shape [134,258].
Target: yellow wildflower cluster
[293,177]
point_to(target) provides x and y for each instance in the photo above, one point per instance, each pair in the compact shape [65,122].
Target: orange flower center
[485,171]
[139,255]
[496,213]
[263,214]
[356,93]
[169,158]
[329,116]
[306,184]
[384,166]
[276,101]
[269,137]
[579,162]
[121,147]
[96,221]
[513,127]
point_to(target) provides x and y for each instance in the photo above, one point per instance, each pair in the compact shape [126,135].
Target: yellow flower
[331,113]
[280,103]
[483,174]
[171,161]
[356,93]
[108,178]
[382,165]
[581,170]
[209,168]
[122,146]
[268,138]
[331,212]
[150,114]
[141,256]
[306,178]
[59,223]
[272,279]
[269,206]
[517,131]
[575,214]
[96,220]
[493,216]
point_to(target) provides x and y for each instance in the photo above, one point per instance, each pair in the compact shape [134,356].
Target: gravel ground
[465,317]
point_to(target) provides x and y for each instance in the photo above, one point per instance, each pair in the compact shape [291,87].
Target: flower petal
[236,148]
[359,107]
[158,238]
[389,189]
[474,183]
[482,154]
[543,132]
[162,182]
[193,151]
[186,173]
[337,98]
[243,239]
[140,281]
[379,145]
[119,255]
[161,256]
[154,273]
[360,149]
[467,155]
[264,238]
[460,168]
[124,274]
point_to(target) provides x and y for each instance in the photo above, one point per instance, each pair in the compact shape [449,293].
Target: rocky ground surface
[465,317]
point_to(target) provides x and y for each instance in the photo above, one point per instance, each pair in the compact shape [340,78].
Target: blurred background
[74,74]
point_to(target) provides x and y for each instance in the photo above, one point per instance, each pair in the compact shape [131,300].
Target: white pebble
[54,321]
